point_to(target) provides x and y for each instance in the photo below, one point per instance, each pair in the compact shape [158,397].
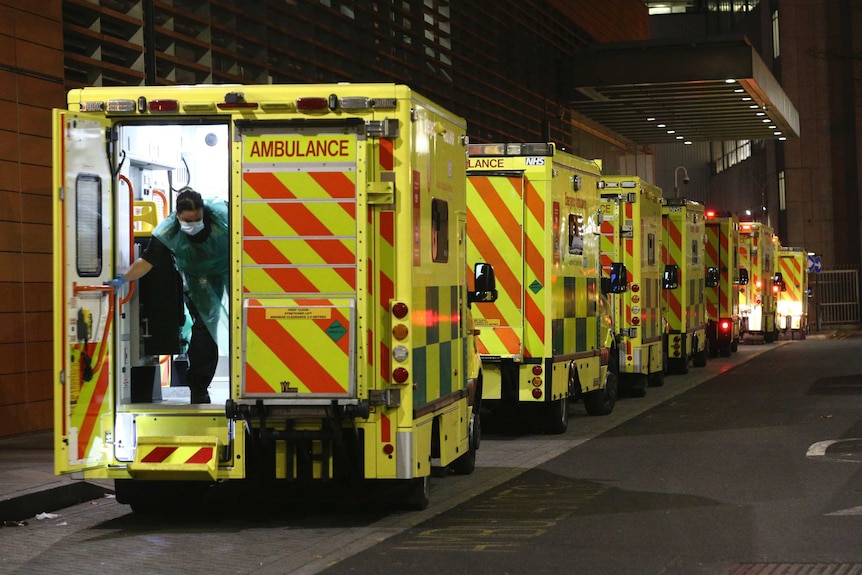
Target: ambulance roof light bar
[512,149]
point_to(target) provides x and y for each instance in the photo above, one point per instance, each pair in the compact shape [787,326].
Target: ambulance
[684,283]
[722,281]
[757,299]
[345,346]
[631,232]
[534,215]
[792,306]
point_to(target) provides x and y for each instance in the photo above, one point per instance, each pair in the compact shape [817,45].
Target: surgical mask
[191,228]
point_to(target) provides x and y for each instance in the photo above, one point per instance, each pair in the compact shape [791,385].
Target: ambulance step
[176,458]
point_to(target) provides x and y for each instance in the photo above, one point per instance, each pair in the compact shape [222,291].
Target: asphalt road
[748,466]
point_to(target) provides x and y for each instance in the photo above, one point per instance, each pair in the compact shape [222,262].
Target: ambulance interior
[154,162]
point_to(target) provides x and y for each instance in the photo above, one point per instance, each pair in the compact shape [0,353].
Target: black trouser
[203,356]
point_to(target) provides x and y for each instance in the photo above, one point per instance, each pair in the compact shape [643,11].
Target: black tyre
[466,464]
[637,385]
[678,365]
[699,358]
[602,401]
[419,493]
[656,378]
[714,348]
[556,416]
[734,345]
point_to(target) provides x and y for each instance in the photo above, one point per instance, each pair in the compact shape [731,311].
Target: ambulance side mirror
[711,277]
[671,276]
[743,277]
[485,284]
[618,282]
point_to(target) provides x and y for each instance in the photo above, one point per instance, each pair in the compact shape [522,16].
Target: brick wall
[31,83]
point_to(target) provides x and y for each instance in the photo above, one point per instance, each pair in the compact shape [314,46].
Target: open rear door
[83,305]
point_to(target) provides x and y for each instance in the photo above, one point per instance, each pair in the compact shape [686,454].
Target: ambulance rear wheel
[656,378]
[678,365]
[602,401]
[466,464]
[699,358]
[638,383]
[734,345]
[557,416]
[715,348]
[419,493]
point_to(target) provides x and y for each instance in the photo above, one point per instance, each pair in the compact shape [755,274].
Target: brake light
[725,325]
[164,106]
[312,104]
[537,370]
[400,375]
[399,310]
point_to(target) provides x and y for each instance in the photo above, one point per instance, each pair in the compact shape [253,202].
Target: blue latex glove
[117,282]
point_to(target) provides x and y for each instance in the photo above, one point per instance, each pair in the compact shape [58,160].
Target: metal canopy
[656,92]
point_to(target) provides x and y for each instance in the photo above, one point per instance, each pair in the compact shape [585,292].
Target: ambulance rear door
[83,211]
[495,229]
[303,263]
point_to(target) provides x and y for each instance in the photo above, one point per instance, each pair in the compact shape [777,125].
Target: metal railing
[838,296]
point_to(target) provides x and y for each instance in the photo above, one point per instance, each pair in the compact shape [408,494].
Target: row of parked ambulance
[586,261]
[383,295]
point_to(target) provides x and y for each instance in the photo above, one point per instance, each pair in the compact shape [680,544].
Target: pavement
[28,485]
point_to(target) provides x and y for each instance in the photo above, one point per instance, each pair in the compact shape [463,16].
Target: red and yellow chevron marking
[305,185]
[297,246]
[712,260]
[505,225]
[298,347]
[608,230]
[672,253]
[791,267]
[385,255]
[176,454]
[534,242]
[88,407]
[178,457]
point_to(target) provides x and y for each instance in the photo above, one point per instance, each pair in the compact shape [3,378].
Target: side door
[83,211]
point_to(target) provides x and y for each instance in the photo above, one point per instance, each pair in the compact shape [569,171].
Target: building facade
[500,65]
